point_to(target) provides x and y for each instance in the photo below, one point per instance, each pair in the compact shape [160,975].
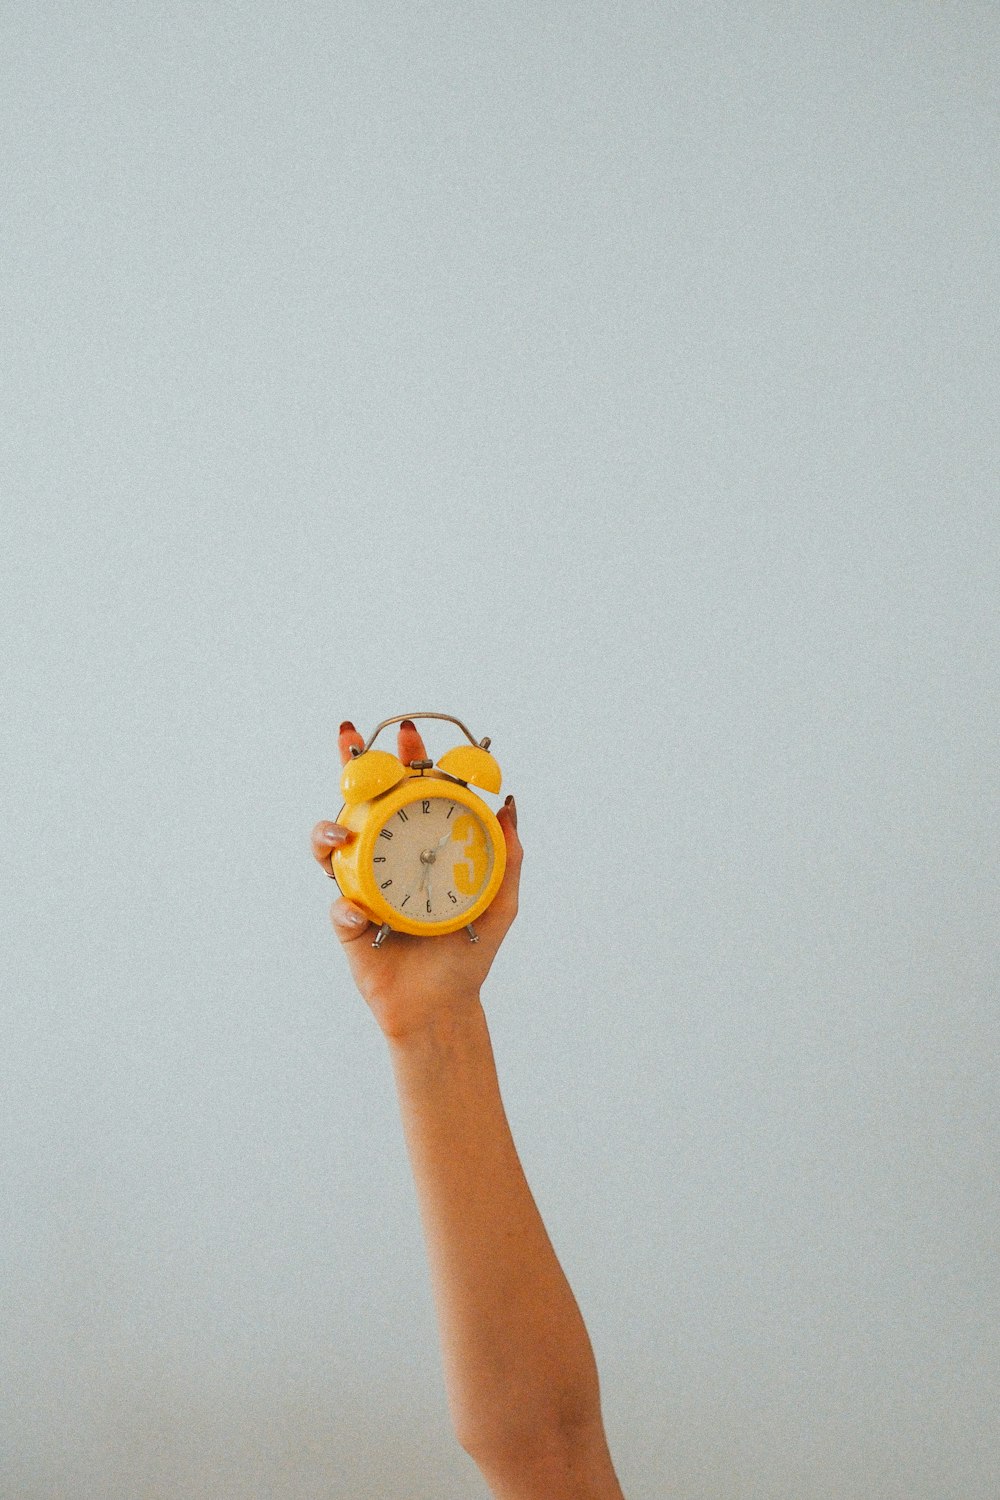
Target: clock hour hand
[427,859]
[425,879]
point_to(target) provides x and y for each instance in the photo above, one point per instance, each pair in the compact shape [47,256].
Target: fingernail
[348,725]
[353,917]
[509,802]
[407,724]
[335,834]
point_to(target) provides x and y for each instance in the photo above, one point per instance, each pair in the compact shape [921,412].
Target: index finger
[347,737]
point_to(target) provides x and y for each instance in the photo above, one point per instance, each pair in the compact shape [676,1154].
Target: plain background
[623,380]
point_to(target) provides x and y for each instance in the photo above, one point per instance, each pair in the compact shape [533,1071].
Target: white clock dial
[432,859]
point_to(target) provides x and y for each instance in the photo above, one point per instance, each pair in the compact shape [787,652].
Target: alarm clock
[429,855]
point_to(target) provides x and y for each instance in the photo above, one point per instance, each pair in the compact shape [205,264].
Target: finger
[347,920]
[326,837]
[347,737]
[503,907]
[507,818]
[410,746]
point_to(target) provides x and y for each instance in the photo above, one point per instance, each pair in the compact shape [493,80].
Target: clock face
[432,859]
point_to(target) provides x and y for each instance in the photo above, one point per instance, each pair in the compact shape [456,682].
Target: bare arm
[519,1366]
[520,1373]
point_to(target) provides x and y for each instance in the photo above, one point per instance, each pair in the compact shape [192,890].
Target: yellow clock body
[429,855]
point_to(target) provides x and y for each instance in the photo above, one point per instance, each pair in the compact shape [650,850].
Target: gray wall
[623,380]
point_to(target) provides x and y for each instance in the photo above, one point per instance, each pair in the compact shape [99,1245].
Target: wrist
[438,1025]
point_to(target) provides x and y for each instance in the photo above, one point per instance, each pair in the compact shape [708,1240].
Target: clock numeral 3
[470,874]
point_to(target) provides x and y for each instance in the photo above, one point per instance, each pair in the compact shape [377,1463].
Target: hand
[410,980]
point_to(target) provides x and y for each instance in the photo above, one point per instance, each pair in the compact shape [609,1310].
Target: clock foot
[473,935]
[382,934]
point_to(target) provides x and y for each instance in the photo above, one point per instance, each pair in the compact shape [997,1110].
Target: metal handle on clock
[483,744]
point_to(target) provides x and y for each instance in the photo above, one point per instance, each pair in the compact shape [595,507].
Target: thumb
[348,921]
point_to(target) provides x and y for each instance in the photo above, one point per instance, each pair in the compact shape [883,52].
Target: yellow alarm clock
[429,855]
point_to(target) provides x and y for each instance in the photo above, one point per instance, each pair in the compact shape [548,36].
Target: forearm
[517,1357]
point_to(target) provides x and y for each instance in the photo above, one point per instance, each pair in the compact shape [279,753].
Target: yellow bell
[472,764]
[369,775]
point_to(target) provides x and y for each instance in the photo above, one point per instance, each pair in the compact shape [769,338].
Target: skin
[520,1372]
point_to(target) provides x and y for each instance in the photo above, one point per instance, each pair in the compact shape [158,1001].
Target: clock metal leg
[385,930]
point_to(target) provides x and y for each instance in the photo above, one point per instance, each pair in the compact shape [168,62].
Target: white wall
[623,380]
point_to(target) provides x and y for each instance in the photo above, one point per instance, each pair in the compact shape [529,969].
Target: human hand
[411,980]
